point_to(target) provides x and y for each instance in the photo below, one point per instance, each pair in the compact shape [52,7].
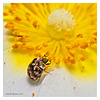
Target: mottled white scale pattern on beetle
[36,67]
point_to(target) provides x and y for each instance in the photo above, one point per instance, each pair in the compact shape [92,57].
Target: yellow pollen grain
[95,33]
[4,62]
[72,53]
[74,88]
[45,45]
[82,58]
[11,11]
[38,47]
[15,46]
[35,24]
[27,16]
[80,35]
[33,94]
[5,13]
[93,40]
[47,53]
[72,61]
[17,19]
[9,25]
[84,46]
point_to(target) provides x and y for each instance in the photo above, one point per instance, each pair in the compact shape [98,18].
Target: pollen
[84,45]
[27,16]
[15,46]
[82,58]
[38,47]
[9,25]
[35,24]
[5,13]
[45,44]
[17,19]
[72,61]
[33,94]
[80,35]
[47,53]
[72,53]
[95,33]
[74,88]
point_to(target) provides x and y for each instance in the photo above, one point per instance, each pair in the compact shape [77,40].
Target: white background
[58,1]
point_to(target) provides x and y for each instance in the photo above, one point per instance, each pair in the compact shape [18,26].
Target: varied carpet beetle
[36,67]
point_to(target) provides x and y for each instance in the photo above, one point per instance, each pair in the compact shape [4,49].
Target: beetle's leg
[48,63]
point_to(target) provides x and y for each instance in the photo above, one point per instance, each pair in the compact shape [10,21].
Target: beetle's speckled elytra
[36,67]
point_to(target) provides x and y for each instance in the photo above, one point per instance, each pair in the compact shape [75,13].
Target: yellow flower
[65,32]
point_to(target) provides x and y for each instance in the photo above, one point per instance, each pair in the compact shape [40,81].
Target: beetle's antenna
[47,72]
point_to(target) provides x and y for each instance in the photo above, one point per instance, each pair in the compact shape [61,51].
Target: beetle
[36,67]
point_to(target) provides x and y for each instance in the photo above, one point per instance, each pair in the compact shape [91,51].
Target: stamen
[45,44]
[35,24]
[38,47]
[84,45]
[10,25]
[17,19]
[82,58]
[15,46]
[80,35]
[5,13]
[72,61]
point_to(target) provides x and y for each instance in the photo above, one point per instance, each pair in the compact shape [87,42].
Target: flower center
[60,22]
